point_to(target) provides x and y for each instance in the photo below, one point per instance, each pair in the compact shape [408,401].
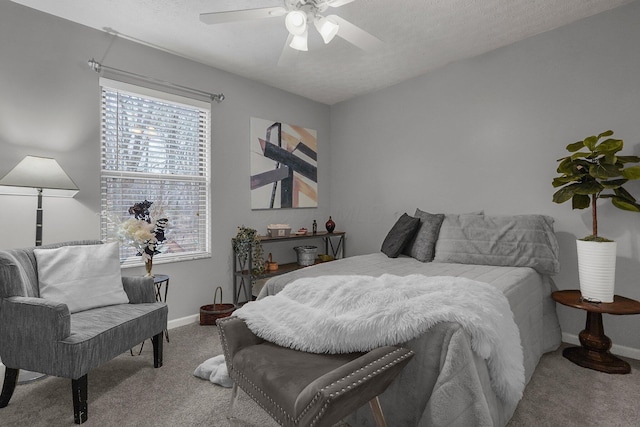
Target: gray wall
[485,133]
[49,106]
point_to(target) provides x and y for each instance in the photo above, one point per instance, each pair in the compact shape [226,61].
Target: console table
[242,271]
[594,350]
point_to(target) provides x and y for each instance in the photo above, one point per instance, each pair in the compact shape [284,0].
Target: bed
[447,383]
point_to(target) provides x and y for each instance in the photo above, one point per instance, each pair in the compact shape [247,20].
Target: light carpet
[128,391]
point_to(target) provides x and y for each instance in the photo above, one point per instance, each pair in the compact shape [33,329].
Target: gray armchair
[43,336]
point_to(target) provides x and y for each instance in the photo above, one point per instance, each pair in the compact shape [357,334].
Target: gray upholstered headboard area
[479,239]
[501,240]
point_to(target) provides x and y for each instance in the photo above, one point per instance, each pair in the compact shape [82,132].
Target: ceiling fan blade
[288,54]
[338,3]
[241,15]
[356,35]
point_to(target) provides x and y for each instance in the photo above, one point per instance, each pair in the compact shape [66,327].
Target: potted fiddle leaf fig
[593,171]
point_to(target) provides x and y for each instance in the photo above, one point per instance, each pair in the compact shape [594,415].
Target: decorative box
[278,230]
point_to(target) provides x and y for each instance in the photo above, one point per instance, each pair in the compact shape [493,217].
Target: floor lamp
[39,176]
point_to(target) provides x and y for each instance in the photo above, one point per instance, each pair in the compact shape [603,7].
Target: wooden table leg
[594,352]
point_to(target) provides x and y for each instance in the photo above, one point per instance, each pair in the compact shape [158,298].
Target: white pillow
[83,276]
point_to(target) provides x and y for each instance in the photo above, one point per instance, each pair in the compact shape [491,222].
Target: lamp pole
[39,219]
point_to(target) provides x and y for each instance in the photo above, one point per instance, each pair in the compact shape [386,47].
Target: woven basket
[211,312]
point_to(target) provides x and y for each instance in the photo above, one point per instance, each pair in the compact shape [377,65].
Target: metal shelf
[243,279]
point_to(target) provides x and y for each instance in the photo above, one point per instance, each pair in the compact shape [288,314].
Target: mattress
[448,384]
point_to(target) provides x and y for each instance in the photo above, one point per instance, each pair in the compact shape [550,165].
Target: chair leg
[378,416]
[79,390]
[157,350]
[9,386]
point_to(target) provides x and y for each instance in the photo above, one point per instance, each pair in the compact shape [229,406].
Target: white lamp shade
[326,27]
[299,42]
[296,22]
[34,173]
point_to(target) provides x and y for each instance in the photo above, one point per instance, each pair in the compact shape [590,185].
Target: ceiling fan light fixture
[326,27]
[296,22]
[299,42]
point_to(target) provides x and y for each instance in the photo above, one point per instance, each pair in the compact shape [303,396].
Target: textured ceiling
[418,36]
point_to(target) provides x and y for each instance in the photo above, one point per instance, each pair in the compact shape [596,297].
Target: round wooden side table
[594,351]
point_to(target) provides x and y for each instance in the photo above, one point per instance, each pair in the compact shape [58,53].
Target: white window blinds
[155,146]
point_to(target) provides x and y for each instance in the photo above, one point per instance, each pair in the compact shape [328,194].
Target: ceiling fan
[298,15]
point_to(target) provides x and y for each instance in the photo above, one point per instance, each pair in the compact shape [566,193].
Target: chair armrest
[139,289]
[235,335]
[27,323]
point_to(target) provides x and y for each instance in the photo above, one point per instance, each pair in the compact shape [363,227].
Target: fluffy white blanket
[342,314]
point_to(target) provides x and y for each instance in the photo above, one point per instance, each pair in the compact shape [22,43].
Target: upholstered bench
[307,389]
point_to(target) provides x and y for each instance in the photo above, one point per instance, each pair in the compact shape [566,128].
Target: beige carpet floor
[128,391]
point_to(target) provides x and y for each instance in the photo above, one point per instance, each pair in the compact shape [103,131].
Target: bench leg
[378,416]
[9,386]
[157,350]
[232,402]
[79,390]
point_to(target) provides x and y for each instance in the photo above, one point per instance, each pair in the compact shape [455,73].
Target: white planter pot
[597,269]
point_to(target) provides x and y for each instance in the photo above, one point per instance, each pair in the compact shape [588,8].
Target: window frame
[203,182]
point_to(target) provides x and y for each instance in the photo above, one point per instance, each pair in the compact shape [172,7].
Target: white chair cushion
[82,277]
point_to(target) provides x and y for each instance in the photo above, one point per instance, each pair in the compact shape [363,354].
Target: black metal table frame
[158,281]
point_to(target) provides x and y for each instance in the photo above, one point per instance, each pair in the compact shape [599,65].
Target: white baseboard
[619,350]
[187,320]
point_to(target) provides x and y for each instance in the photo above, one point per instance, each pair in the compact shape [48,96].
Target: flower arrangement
[141,232]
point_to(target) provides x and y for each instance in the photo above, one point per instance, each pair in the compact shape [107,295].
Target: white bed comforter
[341,314]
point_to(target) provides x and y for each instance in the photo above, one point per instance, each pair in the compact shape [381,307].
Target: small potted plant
[247,242]
[593,171]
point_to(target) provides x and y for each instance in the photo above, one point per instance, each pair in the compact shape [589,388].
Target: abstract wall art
[284,165]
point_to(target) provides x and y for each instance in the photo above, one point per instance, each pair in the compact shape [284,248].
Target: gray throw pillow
[399,235]
[423,244]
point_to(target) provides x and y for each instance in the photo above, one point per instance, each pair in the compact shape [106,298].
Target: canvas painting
[284,165]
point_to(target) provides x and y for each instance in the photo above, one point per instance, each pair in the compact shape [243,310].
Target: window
[155,147]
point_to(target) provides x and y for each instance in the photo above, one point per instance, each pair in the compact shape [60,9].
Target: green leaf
[590,142]
[575,146]
[579,155]
[609,146]
[632,172]
[562,180]
[628,159]
[564,194]
[564,165]
[605,133]
[614,183]
[580,201]
[625,205]
[604,171]
[574,167]
[621,192]
[589,187]
[610,159]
